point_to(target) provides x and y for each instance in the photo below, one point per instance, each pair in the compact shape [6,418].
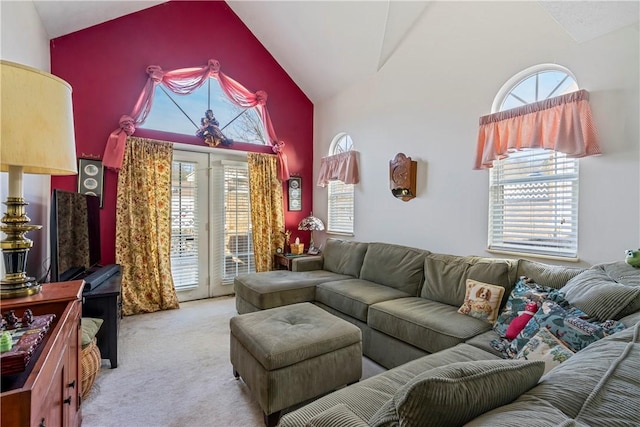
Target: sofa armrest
[307,263]
[339,415]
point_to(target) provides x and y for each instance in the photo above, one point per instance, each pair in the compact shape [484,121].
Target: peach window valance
[562,123]
[184,81]
[339,167]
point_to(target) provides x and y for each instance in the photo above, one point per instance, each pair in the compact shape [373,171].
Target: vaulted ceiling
[326,46]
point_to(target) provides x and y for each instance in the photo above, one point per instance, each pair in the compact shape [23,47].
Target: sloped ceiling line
[401,18]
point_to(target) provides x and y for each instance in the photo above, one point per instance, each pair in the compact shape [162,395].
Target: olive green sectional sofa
[407,303]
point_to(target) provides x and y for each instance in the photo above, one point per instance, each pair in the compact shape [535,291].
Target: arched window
[183,114]
[533,193]
[340,195]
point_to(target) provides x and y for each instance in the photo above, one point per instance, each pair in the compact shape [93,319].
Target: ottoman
[290,354]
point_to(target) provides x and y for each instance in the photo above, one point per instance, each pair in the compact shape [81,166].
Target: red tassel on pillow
[521,321]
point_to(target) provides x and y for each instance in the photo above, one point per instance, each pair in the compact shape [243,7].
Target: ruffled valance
[562,123]
[341,167]
[185,81]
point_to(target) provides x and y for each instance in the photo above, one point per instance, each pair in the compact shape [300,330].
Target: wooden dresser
[47,393]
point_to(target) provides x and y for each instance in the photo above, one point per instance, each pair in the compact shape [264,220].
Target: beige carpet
[174,370]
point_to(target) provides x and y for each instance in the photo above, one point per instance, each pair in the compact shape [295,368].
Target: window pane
[534,204]
[183,113]
[238,243]
[340,212]
[341,201]
[184,236]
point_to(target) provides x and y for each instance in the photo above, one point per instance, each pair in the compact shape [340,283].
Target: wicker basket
[90,363]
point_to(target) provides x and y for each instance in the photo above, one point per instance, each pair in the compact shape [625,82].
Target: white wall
[426,101]
[24,40]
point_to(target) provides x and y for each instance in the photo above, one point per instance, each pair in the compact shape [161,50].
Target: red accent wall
[106,64]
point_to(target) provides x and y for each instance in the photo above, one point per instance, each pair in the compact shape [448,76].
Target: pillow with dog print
[482,300]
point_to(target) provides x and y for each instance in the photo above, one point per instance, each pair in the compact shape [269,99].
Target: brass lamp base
[15,248]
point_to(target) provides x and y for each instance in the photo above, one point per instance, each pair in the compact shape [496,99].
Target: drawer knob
[67,401]
[72,384]
[42,423]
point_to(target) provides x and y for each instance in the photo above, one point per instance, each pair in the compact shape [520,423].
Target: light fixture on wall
[37,137]
[311,223]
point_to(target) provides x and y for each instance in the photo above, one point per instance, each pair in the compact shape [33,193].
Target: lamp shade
[36,131]
[311,223]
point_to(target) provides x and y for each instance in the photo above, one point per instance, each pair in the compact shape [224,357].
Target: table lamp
[36,136]
[311,223]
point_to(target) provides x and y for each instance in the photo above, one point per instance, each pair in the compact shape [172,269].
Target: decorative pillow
[482,300]
[605,291]
[524,291]
[552,276]
[449,395]
[90,327]
[546,347]
[569,324]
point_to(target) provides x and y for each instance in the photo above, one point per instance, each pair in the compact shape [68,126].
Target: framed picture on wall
[295,193]
[90,177]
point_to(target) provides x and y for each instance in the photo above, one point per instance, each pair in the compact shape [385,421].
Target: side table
[104,302]
[285,261]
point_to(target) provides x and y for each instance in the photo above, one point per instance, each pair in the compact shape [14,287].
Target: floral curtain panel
[185,81]
[267,215]
[143,227]
[563,124]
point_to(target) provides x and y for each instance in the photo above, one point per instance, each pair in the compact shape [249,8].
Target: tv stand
[104,302]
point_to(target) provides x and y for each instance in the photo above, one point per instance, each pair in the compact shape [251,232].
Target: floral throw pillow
[524,290]
[567,323]
[546,347]
[482,300]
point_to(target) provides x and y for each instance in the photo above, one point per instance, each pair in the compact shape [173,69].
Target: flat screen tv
[75,235]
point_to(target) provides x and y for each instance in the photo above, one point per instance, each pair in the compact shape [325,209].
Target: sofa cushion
[552,276]
[483,342]
[446,276]
[615,398]
[605,385]
[605,291]
[344,257]
[482,300]
[271,289]
[525,410]
[354,296]
[546,347]
[524,291]
[339,415]
[449,395]
[428,325]
[366,397]
[396,266]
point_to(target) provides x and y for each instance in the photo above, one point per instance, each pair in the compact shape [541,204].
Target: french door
[211,238]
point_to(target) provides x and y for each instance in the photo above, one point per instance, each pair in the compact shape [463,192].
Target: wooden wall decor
[402,177]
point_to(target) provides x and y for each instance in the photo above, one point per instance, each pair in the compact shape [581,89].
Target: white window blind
[237,238]
[184,236]
[533,206]
[340,207]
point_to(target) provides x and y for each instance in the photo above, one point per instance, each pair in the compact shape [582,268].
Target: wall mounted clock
[402,177]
